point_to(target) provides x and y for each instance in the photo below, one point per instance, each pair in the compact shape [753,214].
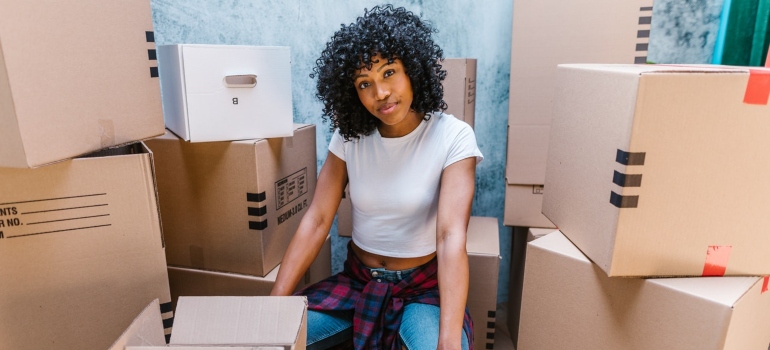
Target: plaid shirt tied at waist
[377,305]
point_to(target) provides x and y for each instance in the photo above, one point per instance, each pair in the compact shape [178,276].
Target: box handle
[240,81]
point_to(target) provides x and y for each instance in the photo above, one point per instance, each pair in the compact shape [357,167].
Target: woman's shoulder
[447,123]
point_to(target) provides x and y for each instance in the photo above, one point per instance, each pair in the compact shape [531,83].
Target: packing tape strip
[765,284]
[717,257]
[758,87]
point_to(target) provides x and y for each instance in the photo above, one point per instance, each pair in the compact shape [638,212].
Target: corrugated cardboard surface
[145,330]
[569,303]
[702,182]
[276,321]
[521,235]
[460,88]
[234,206]
[199,105]
[523,206]
[77,237]
[527,153]
[551,32]
[75,80]
[193,282]
[483,247]
[345,215]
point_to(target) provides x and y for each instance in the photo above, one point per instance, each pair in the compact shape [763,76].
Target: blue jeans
[419,322]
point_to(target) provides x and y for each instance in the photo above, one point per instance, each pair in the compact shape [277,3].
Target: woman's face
[386,92]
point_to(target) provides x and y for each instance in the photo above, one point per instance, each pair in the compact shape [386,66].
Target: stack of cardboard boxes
[653,172]
[547,33]
[236,175]
[81,246]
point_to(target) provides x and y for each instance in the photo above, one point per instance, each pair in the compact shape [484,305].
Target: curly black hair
[393,33]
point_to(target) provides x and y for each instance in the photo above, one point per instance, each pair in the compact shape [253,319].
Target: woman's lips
[387,108]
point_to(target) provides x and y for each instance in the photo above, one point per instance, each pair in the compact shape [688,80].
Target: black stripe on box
[642,47]
[490,335]
[168,338]
[152,55]
[646,8]
[645,20]
[257,211]
[643,34]
[630,158]
[257,225]
[153,72]
[490,346]
[256,197]
[627,180]
[491,314]
[624,201]
[169,322]
[491,325]
[640,60]
[150,36]
[166,307]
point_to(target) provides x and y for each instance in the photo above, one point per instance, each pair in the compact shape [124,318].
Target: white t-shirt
[394,183]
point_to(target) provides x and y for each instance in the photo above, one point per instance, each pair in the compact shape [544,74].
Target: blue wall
[466,29]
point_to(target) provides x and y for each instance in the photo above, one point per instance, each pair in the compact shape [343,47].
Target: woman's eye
[363,85]
[389,72]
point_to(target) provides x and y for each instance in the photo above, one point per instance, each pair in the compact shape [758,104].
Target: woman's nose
[383,92]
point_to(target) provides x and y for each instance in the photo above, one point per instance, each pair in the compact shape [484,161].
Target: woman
[411,171]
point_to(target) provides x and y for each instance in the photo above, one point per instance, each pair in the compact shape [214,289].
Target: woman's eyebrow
[384,65]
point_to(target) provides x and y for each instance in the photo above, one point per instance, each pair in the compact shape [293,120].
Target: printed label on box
[290,188]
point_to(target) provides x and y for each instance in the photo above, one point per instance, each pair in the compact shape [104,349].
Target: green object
[745,35]
[759,45]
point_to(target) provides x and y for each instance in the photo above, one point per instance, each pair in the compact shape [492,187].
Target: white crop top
[394,183]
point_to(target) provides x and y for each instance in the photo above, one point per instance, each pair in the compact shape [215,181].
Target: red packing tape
[765,284]
[716,260]
[758,88]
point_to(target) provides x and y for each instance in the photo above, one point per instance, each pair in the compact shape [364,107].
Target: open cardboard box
[81,250]
[226,323]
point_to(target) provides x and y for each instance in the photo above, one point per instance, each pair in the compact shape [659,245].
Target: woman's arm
[314,227]
[454,211]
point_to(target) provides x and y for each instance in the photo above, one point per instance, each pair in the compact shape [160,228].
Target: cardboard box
[80,77]
[648,180]
[193,282]
[551,32]
[521,235]
[234,206]
[81,251]
[483,247]
[226,323]
[523,206]
[569,303]
[460,88]
[226,92]
[345,215]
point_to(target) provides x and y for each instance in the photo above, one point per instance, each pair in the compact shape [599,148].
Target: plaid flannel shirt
[377,305]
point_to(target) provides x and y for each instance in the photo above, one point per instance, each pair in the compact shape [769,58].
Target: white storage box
[226,92]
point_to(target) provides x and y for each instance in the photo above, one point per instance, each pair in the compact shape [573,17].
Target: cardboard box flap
[238,320]
[146,329]
[483,236]
[535,233]
[558,243]
[722,290]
